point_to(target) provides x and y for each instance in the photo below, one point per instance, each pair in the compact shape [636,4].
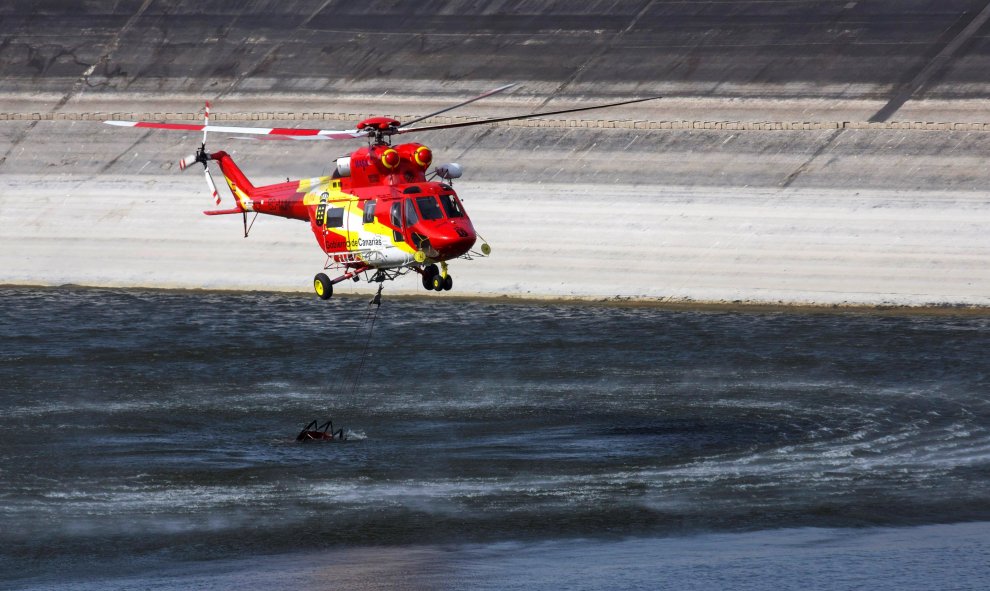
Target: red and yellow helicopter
[381,214]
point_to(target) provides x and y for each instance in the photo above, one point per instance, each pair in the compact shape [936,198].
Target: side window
[396,215]
[411,218]
[452,206]
[369,211]
[335,217]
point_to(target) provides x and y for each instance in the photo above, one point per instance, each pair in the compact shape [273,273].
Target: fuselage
[377,210]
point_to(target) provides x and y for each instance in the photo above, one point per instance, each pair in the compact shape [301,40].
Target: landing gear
[429,272]
[436,279]
[323,286]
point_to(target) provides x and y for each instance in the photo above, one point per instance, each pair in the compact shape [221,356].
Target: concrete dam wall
[803,153]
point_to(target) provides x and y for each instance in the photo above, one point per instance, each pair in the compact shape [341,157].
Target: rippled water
[143,429]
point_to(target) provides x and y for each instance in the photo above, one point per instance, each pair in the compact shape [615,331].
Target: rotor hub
[379,128]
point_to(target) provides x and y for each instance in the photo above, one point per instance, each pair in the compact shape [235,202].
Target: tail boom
[281,199]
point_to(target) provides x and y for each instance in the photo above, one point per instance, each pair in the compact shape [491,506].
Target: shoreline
[669,246]
[668,304]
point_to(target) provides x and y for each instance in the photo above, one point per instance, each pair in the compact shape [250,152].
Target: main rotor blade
[530,116]
[467,102]
[281,132]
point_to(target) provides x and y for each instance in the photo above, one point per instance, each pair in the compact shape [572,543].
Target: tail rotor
[202,156]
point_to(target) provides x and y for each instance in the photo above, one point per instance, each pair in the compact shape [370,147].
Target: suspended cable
[312,431]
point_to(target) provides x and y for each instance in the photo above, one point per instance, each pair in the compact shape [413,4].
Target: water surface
[144,430]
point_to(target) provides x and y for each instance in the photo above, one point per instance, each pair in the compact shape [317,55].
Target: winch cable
[353,376]
[352,380]
[373,315]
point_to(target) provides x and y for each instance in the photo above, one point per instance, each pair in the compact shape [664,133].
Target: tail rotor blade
[212,186]
[187,162]
[206,121]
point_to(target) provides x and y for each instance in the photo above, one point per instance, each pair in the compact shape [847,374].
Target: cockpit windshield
[452,206]
[428,208]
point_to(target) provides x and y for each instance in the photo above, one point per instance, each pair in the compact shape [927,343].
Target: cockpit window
[452,206]
[396,216]
[428,208]
[411,218]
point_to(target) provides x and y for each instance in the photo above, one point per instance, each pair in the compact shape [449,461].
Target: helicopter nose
[453,241]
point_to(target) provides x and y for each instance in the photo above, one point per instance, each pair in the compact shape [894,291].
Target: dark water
[145,430]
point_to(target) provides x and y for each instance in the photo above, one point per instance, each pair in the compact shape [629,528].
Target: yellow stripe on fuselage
[354,233]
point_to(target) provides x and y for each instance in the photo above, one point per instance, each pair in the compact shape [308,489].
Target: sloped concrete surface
[823,152]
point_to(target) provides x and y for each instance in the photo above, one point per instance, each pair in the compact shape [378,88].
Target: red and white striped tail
[206,121]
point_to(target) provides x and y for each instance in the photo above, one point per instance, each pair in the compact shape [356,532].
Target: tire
[448,283]
[429,272]
[436,283]
[322,286]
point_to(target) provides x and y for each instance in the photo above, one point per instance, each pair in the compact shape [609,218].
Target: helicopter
[382,213]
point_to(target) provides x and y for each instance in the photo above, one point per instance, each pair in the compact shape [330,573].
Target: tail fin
[240,186]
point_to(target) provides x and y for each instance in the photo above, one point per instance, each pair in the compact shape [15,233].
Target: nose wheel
[438,283]
[437,280]
[429,272]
